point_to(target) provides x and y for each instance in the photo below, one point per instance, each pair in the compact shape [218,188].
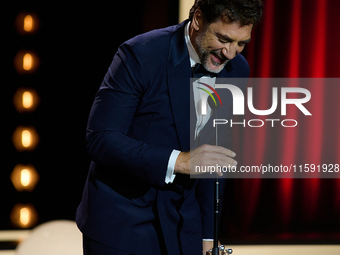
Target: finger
[222,158]
[216,158]
[226,152]
[211,158]
[218,149]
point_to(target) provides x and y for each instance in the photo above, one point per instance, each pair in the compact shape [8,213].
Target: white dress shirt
[198,94]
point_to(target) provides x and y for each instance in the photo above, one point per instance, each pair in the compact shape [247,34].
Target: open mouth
[216,59]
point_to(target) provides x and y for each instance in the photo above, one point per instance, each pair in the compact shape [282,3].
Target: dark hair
[245,12]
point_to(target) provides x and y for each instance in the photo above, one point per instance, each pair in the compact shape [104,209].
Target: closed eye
[226,39]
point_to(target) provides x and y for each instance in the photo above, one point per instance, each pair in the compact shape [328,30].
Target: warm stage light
[26,62]
[25,138]
[27,23]
[24,177]
[25,100]
[24,216]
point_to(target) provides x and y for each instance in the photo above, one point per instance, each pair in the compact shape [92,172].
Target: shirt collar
[194,59]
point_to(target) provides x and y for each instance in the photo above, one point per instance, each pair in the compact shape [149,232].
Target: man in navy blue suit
[139,197]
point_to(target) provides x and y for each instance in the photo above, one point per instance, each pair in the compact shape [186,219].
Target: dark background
[76,42]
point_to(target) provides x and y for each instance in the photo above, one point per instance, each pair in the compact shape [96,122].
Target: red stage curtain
[295,39]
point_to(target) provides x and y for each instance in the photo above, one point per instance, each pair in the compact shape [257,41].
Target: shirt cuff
[170,175]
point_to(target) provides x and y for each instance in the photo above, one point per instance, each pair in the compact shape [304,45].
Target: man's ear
[197,20]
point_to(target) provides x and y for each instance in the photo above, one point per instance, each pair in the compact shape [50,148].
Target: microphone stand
[215,250]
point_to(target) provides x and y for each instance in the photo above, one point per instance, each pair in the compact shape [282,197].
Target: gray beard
[204,54]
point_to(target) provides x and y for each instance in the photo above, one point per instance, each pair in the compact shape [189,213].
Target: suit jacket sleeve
[115,104]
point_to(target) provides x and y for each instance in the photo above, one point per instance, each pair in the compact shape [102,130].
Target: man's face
[219,42]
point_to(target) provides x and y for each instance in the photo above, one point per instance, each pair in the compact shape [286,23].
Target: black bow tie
[199,71]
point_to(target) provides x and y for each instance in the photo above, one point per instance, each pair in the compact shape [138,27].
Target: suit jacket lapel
[179,74]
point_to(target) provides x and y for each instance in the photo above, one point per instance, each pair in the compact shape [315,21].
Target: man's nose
[230,51]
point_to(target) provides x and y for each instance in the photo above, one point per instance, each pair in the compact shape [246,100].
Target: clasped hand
[204,156]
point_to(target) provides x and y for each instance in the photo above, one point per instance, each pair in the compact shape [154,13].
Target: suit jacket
[139,115]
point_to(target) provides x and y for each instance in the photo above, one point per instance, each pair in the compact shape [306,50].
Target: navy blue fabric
[140,114]
[91,247]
